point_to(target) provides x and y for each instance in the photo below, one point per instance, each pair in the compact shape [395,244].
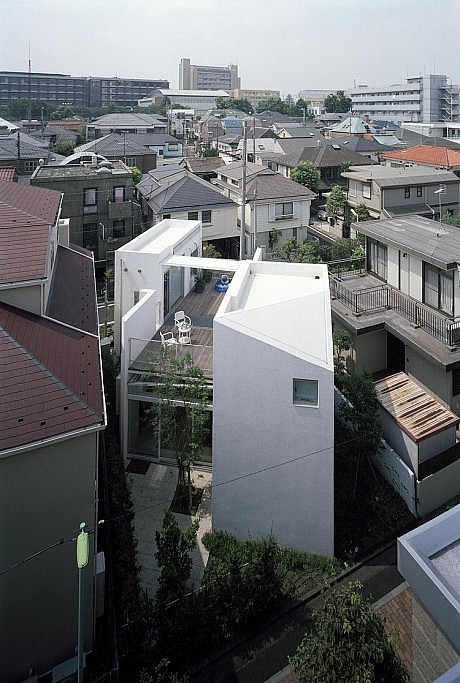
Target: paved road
[266,653]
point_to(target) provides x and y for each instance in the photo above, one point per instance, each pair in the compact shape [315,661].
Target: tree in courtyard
[305,173]
[361,415]
[348,643]
[137,174]
[337,102]
[180,416]
[336,202]
[450,219]
[298,252]
[341,341]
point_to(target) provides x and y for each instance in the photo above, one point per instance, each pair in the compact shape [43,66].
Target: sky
[288,45]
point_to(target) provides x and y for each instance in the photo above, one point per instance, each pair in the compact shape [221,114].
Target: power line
[213,486]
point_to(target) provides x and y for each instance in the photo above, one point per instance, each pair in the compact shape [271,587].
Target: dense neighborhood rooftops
[431,241]
[114,144]
[44,392]
[354,126]
[325,156]
[417,412]
[427,154]
[267,183]
[127,120]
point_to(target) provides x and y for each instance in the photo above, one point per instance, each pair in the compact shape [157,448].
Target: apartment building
[420,99]
[82,91]
[204,77]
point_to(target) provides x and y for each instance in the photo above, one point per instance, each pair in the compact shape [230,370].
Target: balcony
[364,294]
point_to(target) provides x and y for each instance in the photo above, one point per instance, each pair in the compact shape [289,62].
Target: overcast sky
[286,45]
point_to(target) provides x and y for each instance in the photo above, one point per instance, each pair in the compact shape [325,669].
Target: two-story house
[99,201]
[425,155]
[118,147]
[389,192]
[271,203]
[174,192]
[52,413]
[271,440]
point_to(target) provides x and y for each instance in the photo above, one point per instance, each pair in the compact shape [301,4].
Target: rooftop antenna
[29,94]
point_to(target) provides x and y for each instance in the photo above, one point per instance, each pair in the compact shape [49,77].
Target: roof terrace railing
[145,356]
[384,297]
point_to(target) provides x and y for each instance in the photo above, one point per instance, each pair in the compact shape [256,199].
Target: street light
[439,192]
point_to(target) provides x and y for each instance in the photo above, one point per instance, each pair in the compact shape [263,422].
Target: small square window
[206,216]
[193,215]
[306,392]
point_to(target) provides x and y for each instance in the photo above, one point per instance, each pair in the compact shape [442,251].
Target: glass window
[193,215]
[90,200]
[130,161]
[366,190]
[377,258]
[206,216]
[118,194]
[306,392]
[119,228]
[419,191]
[438,288]
[284,211]
[407,193]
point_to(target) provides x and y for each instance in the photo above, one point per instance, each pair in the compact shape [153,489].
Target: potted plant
[199,283]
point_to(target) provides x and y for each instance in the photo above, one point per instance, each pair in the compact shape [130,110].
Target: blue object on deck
[222,283]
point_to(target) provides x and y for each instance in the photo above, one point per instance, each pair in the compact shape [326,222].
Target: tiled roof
[72,298]
[49,379]
[425,154]
[114,144]
[9,150]
[126,120]
[154,139]
[26,217]
[277,186]
[188,193]
[7,173]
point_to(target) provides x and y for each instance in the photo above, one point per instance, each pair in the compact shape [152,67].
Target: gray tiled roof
[130,119]
[276,186]
[113,144]
[188,193]
[326,156]
[152,138]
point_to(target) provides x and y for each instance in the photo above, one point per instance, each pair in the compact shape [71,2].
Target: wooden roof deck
[201,309]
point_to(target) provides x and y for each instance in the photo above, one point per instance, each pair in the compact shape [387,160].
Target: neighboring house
[178,193]
[228,145]
[329,159]
[99,201]
[205,167]
[25,156]
[74,123]
[352,126]
[428,558]
[388,192]
[54,135]
[126,123]
[272,203]
[370,148]
[402,308]
[8,174]
[211,130]
[425,155]
[164,145]
[118,147]
[52,413]
[271,447]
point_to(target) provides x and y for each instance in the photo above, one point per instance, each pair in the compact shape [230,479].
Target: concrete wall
[44,496]
[431,375]
[25,298]
[438,488]
[256,427]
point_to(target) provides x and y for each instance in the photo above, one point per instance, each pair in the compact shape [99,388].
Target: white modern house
[265,347]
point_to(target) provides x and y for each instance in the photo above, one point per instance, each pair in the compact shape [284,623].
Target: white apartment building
[205,77]
[420,99]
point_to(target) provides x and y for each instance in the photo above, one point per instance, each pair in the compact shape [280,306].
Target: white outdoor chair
[181,319]
[167,338]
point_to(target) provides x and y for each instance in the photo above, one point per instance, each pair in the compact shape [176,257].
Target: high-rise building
[420,99]
[202,77]
[89,91]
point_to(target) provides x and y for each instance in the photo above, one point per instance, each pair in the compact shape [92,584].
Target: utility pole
[82,561]
[29,93]
[243,192]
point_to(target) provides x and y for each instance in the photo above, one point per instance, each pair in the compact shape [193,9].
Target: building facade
[421,99]
[201,77]
[83,91]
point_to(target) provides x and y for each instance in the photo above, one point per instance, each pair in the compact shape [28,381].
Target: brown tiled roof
[50,381]
[7,174]
[425,154]
[72,298]
[26,217]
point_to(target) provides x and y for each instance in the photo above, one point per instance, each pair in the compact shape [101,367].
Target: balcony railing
[145,356]
[383,297]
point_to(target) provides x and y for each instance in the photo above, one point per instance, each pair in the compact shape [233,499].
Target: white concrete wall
[257,427]
[25,298]
[223,223]
[393,267]
[438,488]
[427,448]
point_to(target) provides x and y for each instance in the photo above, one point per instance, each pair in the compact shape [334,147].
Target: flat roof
[417,413]
[159,237]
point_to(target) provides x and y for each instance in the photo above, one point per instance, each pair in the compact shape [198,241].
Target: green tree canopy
[306,174]
[337,102]
[348,643]
[362,213]
[243,104]
[450,219]
[298,252]
[336,202]
[137,174]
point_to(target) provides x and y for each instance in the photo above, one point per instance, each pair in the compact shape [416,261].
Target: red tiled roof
[7,174]
[26,217]
[50,382]
[425,154]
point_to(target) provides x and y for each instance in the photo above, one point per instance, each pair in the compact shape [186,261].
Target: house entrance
[396,354]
